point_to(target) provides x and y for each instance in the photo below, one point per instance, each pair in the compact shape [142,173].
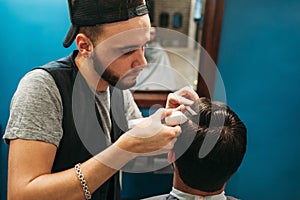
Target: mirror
[203,26]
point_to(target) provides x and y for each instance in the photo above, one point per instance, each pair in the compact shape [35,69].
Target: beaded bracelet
[80,176]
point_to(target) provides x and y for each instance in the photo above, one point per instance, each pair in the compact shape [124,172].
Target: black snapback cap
[93,12]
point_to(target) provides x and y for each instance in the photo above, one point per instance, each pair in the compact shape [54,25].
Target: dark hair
[92,32]
[209,171]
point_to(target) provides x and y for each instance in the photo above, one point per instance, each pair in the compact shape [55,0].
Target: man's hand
[185,96]
[150,137]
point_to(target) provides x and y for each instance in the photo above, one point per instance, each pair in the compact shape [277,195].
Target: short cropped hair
[211,171]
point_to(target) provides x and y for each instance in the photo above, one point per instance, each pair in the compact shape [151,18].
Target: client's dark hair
[215,121]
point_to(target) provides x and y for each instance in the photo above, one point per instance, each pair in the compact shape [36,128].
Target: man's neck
[90,75]
[180,185]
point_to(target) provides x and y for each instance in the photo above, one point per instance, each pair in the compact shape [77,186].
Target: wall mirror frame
[211,32]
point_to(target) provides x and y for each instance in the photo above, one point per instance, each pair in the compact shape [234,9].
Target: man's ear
[84,45]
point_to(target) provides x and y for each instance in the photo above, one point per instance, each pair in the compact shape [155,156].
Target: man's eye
[129,52]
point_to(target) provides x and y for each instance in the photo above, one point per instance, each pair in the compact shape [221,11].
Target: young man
[68,111]
[218,144]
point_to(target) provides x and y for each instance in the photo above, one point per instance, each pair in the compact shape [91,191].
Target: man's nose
[140,60]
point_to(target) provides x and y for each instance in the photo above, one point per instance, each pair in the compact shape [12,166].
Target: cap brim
[73,31]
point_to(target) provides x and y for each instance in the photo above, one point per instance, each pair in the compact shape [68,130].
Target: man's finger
[188,93]
[160,114]
[177,99]
[177,130]
[183,100]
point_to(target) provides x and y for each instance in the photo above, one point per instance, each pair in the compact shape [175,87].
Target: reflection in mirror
[177,20]
[158,64]
[173,54]
[169,68]
[205,28]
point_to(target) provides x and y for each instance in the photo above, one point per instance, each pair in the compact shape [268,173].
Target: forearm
[30,174]
[65,184]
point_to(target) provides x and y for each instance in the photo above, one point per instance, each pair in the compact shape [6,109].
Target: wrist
[116,155]
[127,143]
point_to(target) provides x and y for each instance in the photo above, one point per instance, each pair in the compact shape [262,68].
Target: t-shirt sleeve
[36,109]
[131,109]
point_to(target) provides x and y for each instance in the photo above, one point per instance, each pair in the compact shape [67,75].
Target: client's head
[217,146]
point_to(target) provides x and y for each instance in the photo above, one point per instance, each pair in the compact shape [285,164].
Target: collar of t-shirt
[103,105]
[182,195]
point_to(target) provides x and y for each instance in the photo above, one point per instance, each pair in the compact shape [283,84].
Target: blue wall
[259,63]
[260,66]
[31,34]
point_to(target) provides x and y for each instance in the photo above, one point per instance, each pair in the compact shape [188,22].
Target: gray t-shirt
[36,109]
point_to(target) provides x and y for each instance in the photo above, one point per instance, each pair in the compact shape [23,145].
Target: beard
[115,80]
[123,82]
[118,82]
